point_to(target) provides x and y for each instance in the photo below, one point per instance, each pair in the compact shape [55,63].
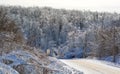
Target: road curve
[91,66]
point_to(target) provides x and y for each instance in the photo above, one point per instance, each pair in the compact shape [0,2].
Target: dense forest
[65,33]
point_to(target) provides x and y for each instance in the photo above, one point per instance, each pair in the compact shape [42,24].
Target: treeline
[68,33]
[10,33]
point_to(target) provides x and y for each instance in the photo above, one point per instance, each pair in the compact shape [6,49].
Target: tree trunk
[114,47]
[85,46]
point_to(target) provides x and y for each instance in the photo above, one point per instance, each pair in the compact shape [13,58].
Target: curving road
[91,66]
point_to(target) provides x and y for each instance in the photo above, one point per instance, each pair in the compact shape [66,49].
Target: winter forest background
[65,33]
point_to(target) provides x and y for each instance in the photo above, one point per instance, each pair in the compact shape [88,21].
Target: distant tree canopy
[63,30]
[9,26]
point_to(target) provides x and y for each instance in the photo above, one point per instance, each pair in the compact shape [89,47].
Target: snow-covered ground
[91,66]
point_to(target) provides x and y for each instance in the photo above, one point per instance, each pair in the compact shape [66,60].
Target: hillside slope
[16,57]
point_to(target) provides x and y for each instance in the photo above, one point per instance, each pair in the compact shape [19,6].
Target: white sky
[93,5]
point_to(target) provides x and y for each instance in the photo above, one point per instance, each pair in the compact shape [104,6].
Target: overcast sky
[93,5]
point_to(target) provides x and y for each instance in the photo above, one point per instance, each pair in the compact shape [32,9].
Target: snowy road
[91,66]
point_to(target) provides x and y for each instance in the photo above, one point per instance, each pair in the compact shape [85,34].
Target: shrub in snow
[5,69]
